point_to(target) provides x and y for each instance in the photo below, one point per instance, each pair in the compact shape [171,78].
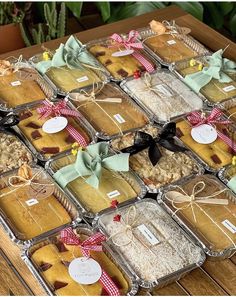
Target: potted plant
[52,25]
[10,35]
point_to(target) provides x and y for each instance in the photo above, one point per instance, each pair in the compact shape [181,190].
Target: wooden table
[213,278]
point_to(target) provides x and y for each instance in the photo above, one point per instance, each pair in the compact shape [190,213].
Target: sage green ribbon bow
[71,54]
[90,163]
[216,69]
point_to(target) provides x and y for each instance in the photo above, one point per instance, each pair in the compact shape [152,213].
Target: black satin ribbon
[9,121]
[165,139]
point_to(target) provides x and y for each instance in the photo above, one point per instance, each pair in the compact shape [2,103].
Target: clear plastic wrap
[152,245]
[49,260]
[121,186]
[171,168]
[32,205]
[21,86]
[46,145]
[162,95]
[170,48]
[204,207]
[215,91]
[110,111]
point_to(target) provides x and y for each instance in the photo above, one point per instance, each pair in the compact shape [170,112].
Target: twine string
[128,227]
[25,182]
[91,98]
[13,66]
[192,201]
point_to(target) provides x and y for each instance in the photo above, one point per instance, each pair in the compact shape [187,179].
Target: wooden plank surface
[223,273]
[208,36]
[10,281]
[198,282]
[13,254]
[214,278]
[174,289]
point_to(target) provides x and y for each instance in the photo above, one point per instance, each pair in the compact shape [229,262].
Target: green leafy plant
[216,14]
[53,26]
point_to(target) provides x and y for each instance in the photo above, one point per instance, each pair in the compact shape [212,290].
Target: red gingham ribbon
[58,109]
[130,43]
[196,119]
[93,243]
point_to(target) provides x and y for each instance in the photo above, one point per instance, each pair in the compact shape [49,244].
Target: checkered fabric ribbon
[93,243]
[58,109]
[130,43]
[196,119]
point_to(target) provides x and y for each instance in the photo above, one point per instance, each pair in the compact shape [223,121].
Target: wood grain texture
[233,259]
[198,282]
[13,254]
[219,280]
[208,36]
[10,282]
[216,278]
[174,289]
[224,273]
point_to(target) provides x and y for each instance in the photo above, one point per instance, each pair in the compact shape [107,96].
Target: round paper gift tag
[55,125]
[204,134]
[85,271]
[126,52]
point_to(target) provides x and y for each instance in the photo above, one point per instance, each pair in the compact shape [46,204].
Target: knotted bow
[131,43]
[56,109]
[93,243]
[128,42]
[197,119]
[9,121]
[164,91]
[129,225]
[72,54]
[90,97]
[90,163]
[176,197]
[216,69]
[24,182]
[50,109]
[165,139]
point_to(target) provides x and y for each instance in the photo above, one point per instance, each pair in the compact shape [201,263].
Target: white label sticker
[204,134]
[119,118]
[170,42]
[16,83]
[229,226]
[31,202]
[85,271]
[163,90]
[113,194]
[229,88]
[55,125]
[123,53]
[82,78]
[148,234]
